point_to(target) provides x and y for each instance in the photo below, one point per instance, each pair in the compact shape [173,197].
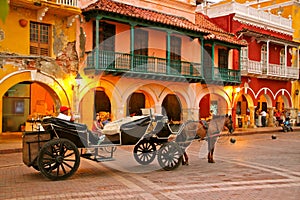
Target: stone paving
[255,167]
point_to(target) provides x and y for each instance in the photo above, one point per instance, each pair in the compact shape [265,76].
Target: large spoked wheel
[58,159]
[170,156]
[144,152]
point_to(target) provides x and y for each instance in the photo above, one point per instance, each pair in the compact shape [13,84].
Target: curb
[8,151]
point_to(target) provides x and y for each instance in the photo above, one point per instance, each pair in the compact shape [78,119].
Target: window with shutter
[39,39]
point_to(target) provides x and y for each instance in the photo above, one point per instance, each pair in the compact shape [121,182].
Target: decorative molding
[71,20]
[41,13]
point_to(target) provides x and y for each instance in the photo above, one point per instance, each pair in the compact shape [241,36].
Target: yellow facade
[51,73]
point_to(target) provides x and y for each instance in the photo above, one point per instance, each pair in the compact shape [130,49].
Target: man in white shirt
[64,111]
[263,118]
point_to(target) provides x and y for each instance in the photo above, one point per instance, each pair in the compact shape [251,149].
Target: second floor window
[39,39]
[264,54]
[244,53]
[106,36]
[140,42]
[175,48]
[282,57]
[223,58]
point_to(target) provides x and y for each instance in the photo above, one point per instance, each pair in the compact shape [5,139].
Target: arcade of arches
[34,99]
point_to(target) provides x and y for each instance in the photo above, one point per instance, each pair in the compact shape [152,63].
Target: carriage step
[104,159]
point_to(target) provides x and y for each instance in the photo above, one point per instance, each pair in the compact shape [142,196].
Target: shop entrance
[172,107]
[26,102]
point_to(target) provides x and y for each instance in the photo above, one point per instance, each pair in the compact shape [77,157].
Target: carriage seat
[75,132]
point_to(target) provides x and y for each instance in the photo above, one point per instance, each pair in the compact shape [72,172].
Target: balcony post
[132,45]
[97,41]
[168,51]
[213,61]
[285,60]
[268,54]
[202,57]
[298,49]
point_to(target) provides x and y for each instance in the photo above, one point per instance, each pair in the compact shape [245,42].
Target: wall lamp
[78,79]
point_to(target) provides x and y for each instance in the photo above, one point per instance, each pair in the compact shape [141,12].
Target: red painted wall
[274,85]
[204,106]
[236,59]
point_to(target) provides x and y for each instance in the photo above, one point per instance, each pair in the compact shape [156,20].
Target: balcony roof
[202,25]
[52,7]
[264,36]
[108,6]
[217,33]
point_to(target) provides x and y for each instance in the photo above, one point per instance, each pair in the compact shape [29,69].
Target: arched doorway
[212,103]
[136,101]
[102,102]
[242,112]
[48,89]
[26,102]
[172,107]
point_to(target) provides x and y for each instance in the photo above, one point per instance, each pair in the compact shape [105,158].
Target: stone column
[271,115]
[158,109]
[252,117]
[120,112]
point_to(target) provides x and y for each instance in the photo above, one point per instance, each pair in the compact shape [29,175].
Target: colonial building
[126,55]
[269,63]
[38,60]
[158,55]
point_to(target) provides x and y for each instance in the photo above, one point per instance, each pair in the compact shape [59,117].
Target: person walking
[263,118]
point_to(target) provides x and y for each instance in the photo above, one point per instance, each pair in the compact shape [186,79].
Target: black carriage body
[75,132]
[132,132]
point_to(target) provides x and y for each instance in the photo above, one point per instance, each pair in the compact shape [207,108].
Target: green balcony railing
[227,75]
[123,62]
[139,65]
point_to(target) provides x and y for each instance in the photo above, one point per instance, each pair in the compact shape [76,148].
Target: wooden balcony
[271,71]
[73,3]
[65,8]
[148,67]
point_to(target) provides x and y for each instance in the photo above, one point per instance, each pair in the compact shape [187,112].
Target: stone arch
[60,95]
[286,96]
[213,90]
[267,94]
[86,96]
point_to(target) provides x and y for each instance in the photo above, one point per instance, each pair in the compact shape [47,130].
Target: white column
[285,60]
[268,54]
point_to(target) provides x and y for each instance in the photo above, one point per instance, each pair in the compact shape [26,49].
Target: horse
[204,130]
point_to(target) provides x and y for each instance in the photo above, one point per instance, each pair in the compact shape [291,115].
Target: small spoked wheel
[58,159]
[170,156]
[144,152]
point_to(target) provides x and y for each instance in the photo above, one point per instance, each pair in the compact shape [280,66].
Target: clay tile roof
[264,31]
[217,33]
[141,13]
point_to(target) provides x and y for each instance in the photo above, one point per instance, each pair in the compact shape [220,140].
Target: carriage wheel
[58,159]
[170,156]
[144,152]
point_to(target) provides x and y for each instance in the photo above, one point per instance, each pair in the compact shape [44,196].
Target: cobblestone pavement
[255,167]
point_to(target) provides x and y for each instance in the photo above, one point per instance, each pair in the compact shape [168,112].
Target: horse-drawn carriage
[54,151]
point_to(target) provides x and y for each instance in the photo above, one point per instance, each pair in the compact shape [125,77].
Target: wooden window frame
[40,39]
